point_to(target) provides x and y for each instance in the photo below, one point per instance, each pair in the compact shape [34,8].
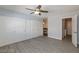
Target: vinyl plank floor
[41,45]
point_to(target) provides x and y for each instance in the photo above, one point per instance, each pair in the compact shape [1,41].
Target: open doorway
[45,27]
[67,28]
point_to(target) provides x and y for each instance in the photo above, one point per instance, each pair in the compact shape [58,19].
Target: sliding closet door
[36,28]
[28,28]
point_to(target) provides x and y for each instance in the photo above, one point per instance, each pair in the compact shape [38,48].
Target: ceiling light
[36,12]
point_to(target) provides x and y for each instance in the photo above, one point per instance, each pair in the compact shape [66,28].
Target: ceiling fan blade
[44,11]
[30,9]
[32,13]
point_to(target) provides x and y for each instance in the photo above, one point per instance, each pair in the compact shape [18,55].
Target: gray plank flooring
[41,45]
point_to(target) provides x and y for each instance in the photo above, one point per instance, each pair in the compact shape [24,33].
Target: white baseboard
[12,42]
[54,37]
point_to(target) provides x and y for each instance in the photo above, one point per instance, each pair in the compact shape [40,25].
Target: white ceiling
[62,8]
[50,8]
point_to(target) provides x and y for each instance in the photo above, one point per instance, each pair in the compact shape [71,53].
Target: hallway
[41,45]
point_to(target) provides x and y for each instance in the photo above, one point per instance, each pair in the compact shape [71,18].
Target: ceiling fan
[37,10]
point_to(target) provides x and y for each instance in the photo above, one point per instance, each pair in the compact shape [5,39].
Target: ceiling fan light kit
[36,12]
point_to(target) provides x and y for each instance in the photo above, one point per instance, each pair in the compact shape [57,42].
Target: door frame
[74,17]
[63,20]
[46,26]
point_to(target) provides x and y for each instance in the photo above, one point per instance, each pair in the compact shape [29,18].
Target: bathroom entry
[67,28]
[45,27]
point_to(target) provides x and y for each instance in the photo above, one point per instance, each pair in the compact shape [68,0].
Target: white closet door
[12,30]
[36,28]
[28,28]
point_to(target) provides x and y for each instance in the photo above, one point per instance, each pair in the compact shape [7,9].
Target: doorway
[45,27]
[67,28]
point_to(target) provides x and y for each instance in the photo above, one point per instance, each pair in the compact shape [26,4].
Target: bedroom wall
[15,27]
[55,24]
[54,27]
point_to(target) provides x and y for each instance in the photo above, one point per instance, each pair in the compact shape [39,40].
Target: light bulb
[36,12]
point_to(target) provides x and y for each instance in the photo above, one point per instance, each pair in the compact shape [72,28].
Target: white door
[74,30]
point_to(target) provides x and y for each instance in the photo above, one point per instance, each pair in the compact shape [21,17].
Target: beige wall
[68,26]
